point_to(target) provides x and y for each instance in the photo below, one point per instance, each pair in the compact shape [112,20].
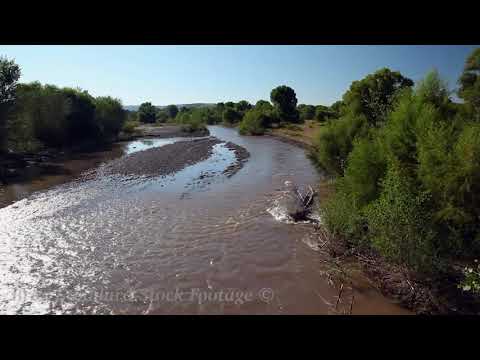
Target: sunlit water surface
[171,244]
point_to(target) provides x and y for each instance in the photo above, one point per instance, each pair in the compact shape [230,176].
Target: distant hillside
[193,105]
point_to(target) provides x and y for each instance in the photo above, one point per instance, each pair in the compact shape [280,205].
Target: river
[169,245]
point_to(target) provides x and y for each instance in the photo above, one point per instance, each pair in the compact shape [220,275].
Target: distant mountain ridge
[193,105]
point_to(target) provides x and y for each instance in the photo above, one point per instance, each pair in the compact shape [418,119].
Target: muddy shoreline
[289,140]
[20,167]
[436,295]
[427,295]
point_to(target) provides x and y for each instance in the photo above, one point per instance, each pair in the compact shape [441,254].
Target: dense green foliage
[147,113]
[253,123]
[231,116]
[109,116]
[408,171]
[365,106]
[336,108]
[161,116]
[335,142]
[374,95]
[9,75]
[306,112]
[34,115]
[243,106]
[472,279]
[323,113]
[46,114]
[284,100]
[470,83]
[196,118]
[172,111]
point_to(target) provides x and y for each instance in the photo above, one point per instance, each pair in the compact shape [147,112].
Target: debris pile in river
[294,206]
[297,205]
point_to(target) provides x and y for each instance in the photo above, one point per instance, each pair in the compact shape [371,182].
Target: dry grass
[306,132]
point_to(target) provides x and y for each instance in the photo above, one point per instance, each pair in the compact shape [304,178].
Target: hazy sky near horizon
[186,74]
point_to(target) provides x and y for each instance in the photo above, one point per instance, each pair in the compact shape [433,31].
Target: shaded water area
[196,242]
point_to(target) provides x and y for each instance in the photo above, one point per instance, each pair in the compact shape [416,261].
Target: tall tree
[374,95]
[172,111]
[336,108]
[231,116]
[9,75]
[147,113]
[285,101]
[109,115]
[470,82]
[243,106]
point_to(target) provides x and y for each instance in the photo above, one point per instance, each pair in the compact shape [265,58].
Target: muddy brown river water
[168,245]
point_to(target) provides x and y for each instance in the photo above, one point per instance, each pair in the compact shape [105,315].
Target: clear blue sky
[186,74]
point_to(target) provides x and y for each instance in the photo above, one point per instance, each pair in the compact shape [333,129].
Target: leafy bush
[192,126]
[62,117]
[323,113]
[162,116]
[306,112]
[471,282]
[109,115]
[399,222]
[409,183]
[147,113]
[253,123]
[366,166]
[335,142]
[342,216]
[129,127]
[231,116]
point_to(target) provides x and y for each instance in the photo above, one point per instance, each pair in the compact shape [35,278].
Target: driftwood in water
[298,205]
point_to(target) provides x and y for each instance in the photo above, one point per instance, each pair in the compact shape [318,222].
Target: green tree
[9,75]
[263,105]
[243,106]
[306,112]
[470,82]
[147,113]
[81,124]
[285,101]
[322,113]
[266,108]
[172,111]
[374,96]
[109,115]
[220,108]
[337,108]
[231,116]
[253,123]
[162,116]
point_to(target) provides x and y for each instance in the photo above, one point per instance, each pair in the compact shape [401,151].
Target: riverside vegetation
[404,158]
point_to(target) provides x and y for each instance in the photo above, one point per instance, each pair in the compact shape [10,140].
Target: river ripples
[173,244]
